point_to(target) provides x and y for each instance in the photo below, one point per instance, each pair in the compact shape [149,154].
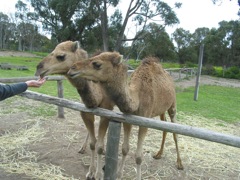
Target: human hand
[36,83]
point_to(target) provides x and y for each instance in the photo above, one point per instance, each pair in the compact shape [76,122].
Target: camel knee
[138,160]
[125,151]
[100,150]
[92,146]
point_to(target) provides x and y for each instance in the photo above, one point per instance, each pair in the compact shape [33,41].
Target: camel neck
[85,91]
[120,92]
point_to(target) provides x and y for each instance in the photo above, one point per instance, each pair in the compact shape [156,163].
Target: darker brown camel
[149,93]
[92,94]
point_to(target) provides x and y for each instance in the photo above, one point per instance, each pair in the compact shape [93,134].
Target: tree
[155,43]
[231,41]
[184,49]
[70,20]
[65,20]
[4,30]
[24,28]
[143,11]
[222,44]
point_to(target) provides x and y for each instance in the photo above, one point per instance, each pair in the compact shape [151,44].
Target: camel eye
[96,65]
[61,57]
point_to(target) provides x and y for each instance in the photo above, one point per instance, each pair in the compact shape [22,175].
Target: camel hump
[150,60]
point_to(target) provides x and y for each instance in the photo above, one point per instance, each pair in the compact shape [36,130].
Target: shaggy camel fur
[58,62]
[149,93]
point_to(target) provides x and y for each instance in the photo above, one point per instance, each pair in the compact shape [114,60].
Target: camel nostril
[40,65]
[73,68]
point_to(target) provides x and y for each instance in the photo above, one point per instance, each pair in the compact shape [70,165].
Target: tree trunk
[1,36]
[20,43]
[104,26]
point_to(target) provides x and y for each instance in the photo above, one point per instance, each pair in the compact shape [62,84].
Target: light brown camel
[149,93]
[92,94]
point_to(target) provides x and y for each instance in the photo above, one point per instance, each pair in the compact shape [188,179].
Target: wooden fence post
[60,95]
[111,157]
[199,72]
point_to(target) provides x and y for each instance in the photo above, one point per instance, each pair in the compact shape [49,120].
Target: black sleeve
[10,90]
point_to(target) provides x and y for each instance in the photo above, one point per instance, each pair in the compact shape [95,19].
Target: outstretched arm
[10,90]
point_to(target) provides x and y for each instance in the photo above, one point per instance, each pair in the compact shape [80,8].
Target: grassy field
[214,102]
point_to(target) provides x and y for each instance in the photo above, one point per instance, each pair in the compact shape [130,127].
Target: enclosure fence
[113,137]
[116,118]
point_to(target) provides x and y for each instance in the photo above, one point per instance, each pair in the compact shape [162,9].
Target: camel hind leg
[172,114]
[158,155]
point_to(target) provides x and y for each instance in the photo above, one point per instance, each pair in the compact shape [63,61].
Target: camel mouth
[74,75]
[43,74]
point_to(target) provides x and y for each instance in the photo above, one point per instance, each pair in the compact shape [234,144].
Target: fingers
[42,80]
[36,83]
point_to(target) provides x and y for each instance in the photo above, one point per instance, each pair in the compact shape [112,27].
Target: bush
[133,63]
[232,72]
[190,64]
[218,71]
[208,70]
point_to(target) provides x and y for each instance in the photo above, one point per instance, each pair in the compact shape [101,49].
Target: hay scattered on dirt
[16,158]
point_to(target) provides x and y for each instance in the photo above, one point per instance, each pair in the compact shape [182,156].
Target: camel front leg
[104,122]
[125,148]
[141,136]
[88,119]
[158,155]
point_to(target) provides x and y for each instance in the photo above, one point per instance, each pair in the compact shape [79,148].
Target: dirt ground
[36,146]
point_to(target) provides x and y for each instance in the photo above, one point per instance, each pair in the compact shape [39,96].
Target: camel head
[61,59]
[98,68]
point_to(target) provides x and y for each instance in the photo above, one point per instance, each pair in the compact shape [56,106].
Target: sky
[203,13]
[192,15]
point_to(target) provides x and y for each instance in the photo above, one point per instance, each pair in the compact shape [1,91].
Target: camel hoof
[179,164]
[90,178]
[158,156]
[81,151]
[180,167]
[99,176]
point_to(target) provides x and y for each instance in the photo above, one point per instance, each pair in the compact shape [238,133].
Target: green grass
[167,65]
[26,61]
[133,63]
[214,102]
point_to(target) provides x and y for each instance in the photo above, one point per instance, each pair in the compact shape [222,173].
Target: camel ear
[117,58]
[75,46]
